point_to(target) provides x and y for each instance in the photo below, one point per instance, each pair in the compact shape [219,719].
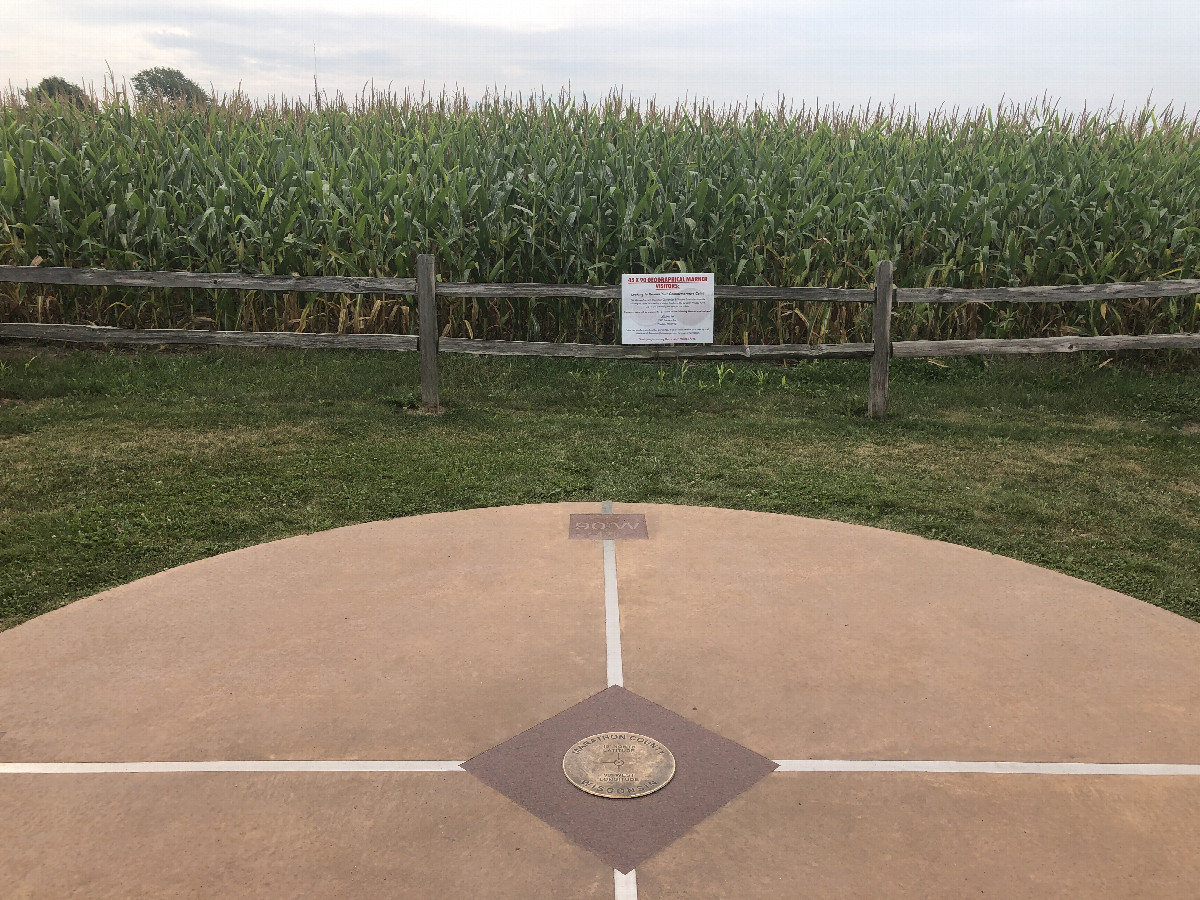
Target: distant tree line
[159,83]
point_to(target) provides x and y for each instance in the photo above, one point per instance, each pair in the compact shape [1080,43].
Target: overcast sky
[927,54]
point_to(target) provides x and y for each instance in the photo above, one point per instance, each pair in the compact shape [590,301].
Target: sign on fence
[667,309]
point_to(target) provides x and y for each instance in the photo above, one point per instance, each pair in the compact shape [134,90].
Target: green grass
[115,465]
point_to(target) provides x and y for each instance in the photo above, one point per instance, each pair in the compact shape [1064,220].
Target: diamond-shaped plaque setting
[709,772]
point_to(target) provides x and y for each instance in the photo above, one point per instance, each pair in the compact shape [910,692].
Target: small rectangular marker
[608,527]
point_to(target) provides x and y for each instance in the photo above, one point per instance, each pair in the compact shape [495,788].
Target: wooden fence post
[427,318]
[881,334]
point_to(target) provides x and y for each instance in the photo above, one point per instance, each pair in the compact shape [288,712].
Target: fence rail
[156,337]
[103,334]
[1064,293]
[1012,346]
[331,284]
[428,343]
[341,284]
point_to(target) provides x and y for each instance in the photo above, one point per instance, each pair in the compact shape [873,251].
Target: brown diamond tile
[709,772]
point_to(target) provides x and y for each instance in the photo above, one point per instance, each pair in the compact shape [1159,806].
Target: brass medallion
[619,765]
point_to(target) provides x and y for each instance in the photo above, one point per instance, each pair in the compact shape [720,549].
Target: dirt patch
[1190,428]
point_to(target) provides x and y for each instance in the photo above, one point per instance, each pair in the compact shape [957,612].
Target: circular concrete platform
[315,697]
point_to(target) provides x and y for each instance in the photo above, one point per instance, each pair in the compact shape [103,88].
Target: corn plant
[563,190]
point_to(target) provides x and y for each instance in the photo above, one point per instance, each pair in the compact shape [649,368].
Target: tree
[59,90]
[168,84]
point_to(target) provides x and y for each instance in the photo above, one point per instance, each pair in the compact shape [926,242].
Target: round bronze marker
[619,765]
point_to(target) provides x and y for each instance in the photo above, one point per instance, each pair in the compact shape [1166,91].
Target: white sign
[667,309]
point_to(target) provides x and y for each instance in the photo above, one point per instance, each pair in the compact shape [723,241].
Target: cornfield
[560,190]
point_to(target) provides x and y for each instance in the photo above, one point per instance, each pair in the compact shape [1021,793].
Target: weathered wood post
[881,334]
[428,320]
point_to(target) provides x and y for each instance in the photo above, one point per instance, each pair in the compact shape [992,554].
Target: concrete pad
[439,637]
[424,638]
[814,639]
[906,835]
[301,835]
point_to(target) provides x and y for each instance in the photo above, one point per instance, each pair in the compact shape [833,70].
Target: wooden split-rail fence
[429,343]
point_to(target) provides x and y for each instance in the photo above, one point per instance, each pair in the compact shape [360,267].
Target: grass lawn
[115,464]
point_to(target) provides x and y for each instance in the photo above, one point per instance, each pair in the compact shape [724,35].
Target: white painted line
[235,765]
[986,768]
[449,765]
[612,615]
[612,611]
[624,886]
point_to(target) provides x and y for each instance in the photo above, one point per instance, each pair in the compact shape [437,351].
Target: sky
[923,55]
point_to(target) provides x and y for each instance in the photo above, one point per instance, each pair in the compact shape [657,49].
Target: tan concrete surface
[815,639]
[840,835]
[432,637]
[438,637]
[278,836]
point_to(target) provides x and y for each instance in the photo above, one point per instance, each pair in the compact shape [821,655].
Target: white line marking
[987,768]
[612,615]
[624,886]
[612,610]
[449,765]
[235,765]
